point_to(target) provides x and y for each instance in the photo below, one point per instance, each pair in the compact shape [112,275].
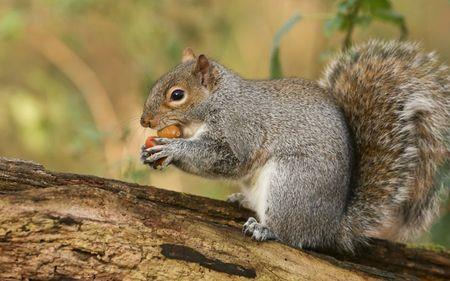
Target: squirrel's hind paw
[258,231]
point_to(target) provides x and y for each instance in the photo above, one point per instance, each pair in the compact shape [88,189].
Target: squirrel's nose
[147,121]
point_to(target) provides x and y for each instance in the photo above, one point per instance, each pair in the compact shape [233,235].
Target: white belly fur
[256,194]
[193,130]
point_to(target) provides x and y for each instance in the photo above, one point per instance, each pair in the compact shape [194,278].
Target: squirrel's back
[396,100]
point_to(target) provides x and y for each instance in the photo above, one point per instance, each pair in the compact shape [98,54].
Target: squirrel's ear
[188,55]
[204,69]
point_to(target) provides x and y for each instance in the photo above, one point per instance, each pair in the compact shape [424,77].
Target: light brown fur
[397,102]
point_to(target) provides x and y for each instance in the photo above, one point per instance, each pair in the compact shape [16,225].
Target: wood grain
[76,227]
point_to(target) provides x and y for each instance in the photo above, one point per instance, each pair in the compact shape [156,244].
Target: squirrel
[324,164]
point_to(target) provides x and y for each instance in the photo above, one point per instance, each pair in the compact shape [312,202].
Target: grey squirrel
[325,164]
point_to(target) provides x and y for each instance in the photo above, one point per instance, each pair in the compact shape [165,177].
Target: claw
[249,226]
[144,156]
[258,231]
[166,162]
[154,157]
[147,152]
[154,149]
[164,151]
[164,140]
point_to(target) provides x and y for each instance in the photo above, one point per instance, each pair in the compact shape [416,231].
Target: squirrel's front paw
[167,149]
[258,231]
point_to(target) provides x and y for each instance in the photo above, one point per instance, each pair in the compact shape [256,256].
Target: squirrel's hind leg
[254,197]
[305,201]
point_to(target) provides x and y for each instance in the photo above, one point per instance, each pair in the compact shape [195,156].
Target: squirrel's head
[179,92]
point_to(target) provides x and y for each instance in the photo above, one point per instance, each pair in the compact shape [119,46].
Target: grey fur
[291,135]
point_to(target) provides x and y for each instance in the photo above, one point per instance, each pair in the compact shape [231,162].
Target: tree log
[57,226]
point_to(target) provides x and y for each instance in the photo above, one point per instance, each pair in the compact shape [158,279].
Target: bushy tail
[396,99]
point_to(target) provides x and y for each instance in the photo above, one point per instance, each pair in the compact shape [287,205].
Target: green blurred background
[74,73]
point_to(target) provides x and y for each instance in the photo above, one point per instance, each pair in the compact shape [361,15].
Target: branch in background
[87,82]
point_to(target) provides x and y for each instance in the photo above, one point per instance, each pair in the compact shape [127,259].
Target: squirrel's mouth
[166,122]
[188,129]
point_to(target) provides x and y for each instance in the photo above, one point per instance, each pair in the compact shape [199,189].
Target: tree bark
[67,226]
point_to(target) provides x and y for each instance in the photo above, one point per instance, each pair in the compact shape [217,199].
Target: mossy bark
[68,226]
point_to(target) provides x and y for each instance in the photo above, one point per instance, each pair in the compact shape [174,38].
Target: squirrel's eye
[177,95]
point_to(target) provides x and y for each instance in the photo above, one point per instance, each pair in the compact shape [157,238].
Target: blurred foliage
[440,230]
[351,13]
[126,45]
[11,25]
[275,63]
